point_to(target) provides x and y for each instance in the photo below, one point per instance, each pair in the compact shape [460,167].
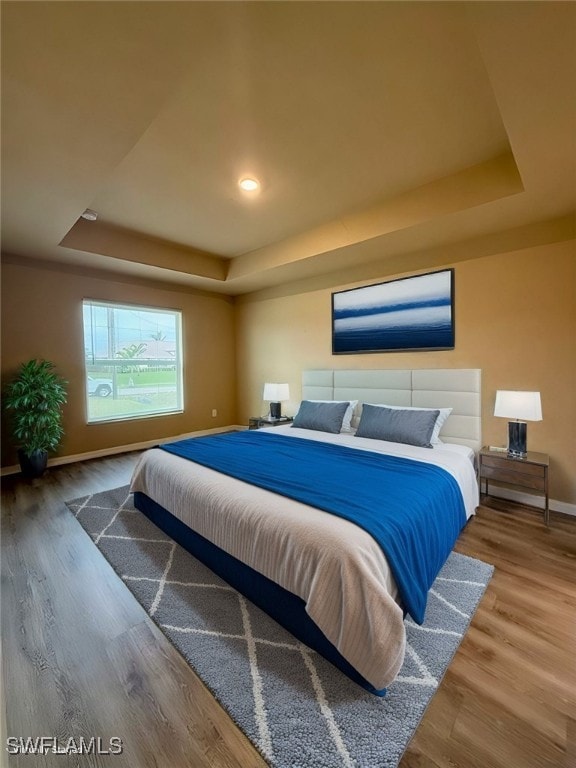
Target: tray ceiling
[377,130]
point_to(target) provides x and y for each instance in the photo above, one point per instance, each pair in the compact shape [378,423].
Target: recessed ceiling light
[89,215]
[249,185]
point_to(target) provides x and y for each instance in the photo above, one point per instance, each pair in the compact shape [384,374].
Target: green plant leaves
[34,400]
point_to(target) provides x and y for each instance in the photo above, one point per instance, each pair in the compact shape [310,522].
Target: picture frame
[409,314]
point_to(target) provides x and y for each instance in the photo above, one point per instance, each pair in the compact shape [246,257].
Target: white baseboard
[532,500]
[58,460]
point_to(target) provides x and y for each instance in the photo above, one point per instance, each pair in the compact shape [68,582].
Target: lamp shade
[525,406]
[276,392]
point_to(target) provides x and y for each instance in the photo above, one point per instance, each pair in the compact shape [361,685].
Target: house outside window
[133,361]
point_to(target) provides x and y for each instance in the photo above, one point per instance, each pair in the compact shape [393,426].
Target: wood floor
[81,657]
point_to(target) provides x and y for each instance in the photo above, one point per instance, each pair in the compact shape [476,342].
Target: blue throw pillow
[324,417]
[397,426]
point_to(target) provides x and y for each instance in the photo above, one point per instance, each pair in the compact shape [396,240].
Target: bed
[323,576]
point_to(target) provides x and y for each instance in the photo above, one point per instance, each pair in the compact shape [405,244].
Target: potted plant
[34,399]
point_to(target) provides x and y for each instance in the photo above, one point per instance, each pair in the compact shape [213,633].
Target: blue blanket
[414,510]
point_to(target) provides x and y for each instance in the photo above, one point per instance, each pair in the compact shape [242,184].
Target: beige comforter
[333,565]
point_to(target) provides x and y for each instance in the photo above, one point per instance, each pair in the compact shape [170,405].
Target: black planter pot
[33,465]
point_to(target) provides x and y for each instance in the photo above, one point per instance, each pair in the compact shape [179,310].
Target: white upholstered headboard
[456,388]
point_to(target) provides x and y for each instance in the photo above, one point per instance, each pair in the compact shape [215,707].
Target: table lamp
[522,406]
[275,393]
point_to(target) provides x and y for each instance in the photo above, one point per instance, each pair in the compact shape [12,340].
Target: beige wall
[515,319]
[42,317]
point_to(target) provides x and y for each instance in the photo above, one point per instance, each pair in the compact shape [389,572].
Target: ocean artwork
[413,313]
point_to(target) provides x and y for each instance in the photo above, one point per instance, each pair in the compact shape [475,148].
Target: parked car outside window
[99,387]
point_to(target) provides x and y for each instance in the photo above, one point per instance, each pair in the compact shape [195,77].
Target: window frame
[118,362]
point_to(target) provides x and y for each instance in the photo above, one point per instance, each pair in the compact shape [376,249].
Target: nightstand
[266,421]
[530,473]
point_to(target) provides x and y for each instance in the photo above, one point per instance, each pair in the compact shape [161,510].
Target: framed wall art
[408,314]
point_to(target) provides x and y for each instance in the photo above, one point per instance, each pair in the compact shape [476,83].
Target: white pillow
[347,421]
[442,416]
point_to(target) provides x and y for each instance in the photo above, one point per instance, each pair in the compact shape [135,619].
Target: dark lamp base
[275,410]
[517,439]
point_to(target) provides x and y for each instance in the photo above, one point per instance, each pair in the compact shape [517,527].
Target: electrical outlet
[214,413]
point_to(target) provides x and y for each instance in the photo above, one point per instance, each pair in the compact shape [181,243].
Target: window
[133,359]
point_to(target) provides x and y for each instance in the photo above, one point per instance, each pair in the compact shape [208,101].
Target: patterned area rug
[296,708]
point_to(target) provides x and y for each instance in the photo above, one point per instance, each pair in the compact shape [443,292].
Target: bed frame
[459,389]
